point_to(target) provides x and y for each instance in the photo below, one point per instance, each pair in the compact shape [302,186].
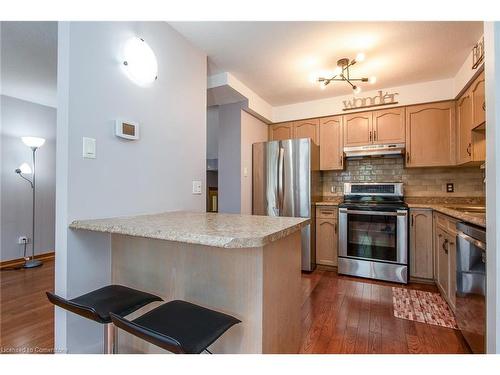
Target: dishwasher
[471,285]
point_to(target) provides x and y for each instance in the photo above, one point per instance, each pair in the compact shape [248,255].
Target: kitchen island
[243,265]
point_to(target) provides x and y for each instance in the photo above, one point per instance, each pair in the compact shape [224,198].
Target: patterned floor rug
[424,307]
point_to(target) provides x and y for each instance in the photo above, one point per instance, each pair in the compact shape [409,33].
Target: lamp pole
[31,263]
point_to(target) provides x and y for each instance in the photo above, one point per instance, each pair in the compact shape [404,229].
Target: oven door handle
[379,213]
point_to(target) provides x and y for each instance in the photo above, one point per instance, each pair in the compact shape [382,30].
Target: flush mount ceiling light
[341,73]
[140,63]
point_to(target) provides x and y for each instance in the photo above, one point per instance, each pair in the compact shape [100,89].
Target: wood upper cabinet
[281,131]
[464,128]
[357,129]
[430,135]
[307,129]
[326,236]
[389,126]
[331,150]
[421,251]
[477,91]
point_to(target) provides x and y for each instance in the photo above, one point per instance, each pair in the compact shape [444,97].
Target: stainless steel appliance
[385,150]
[373,232]
[285,183]
[471,285]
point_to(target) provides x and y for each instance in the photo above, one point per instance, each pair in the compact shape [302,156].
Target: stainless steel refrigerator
[286,183]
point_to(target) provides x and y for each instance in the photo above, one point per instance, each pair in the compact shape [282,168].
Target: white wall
[408,94]
[151,175]
[492,70]
[21,118]
[253,130]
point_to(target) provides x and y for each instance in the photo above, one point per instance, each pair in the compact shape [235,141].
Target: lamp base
[32,263]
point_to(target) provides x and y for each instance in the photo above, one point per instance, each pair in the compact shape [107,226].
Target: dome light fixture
[140,64]
[341,73]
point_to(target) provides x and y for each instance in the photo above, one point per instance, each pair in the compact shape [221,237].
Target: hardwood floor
[26,316]
[339,315]
[343,315]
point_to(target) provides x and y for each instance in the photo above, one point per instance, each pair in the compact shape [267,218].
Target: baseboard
[20,261]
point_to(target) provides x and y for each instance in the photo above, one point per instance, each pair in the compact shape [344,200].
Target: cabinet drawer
[326,212]
[446,223]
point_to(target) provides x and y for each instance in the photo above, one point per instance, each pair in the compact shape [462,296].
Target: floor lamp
[34,143]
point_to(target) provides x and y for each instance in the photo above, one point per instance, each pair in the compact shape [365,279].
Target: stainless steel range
[373,232]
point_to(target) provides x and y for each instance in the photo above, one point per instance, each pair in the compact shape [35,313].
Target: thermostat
[127,129]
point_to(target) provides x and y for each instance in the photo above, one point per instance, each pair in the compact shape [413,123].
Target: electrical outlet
[22,240]
[196,187]
[450,188]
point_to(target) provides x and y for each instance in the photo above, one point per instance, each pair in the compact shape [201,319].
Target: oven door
[374,235]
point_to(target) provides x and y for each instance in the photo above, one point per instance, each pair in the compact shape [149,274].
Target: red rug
[424,307]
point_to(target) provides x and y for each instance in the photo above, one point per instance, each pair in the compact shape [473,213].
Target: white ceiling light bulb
[25,168]
[33,142]
[140,62]
[356,89]
[322,86]
[360,57]
[337,70]
[372,79]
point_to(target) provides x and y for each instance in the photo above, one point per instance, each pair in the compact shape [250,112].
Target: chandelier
[341,73]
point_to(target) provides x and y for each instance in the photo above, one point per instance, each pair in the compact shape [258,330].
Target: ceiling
[277,59]
[29,61]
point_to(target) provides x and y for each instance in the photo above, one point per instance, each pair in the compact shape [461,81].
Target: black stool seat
[178,326]
[97,304]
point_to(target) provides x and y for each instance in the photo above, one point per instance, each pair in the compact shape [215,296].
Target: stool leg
[110,339]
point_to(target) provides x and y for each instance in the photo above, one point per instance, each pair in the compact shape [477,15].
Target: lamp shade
[25,168]
[34,142]
[140,63]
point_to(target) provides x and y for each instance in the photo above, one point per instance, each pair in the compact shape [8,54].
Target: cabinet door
[478,101]
[430,135]
[389,126]
[464,128]
[358,129]
[452,269]
[442,249]
[421,263]
[331,149]
[278,132]
[307,129]
[326,241]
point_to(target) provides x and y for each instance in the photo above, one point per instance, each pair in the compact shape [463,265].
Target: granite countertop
[330,201]
[210,229]
[477,219]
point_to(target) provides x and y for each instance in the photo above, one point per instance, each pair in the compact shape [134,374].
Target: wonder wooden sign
[370,101]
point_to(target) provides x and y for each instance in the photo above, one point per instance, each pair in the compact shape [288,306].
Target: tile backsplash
[419,182]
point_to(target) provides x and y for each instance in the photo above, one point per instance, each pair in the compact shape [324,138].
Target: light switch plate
[196,187]
[89,148]
[245,172]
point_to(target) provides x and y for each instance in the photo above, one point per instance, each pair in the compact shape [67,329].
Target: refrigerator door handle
[281,158]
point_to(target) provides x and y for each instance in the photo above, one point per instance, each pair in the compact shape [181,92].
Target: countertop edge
[450,212]
[204,240]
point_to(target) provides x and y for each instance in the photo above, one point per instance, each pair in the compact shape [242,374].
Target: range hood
[385,150]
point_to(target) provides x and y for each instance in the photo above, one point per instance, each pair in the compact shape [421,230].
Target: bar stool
[98,304]
[178,326]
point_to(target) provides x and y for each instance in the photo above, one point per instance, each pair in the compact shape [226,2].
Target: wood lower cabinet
[326,235]
[421,250]
[331,147]
[430,135]
[307,129]
[281,131]
[358,129]
[477,91]
[389,126]
[445,256]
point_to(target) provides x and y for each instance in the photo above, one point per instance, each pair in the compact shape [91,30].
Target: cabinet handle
[374,135]
[445,244]
[370,136]
[407,157]
[335,228]
[341,161]
[412,219]
[469,149]
[484,106]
